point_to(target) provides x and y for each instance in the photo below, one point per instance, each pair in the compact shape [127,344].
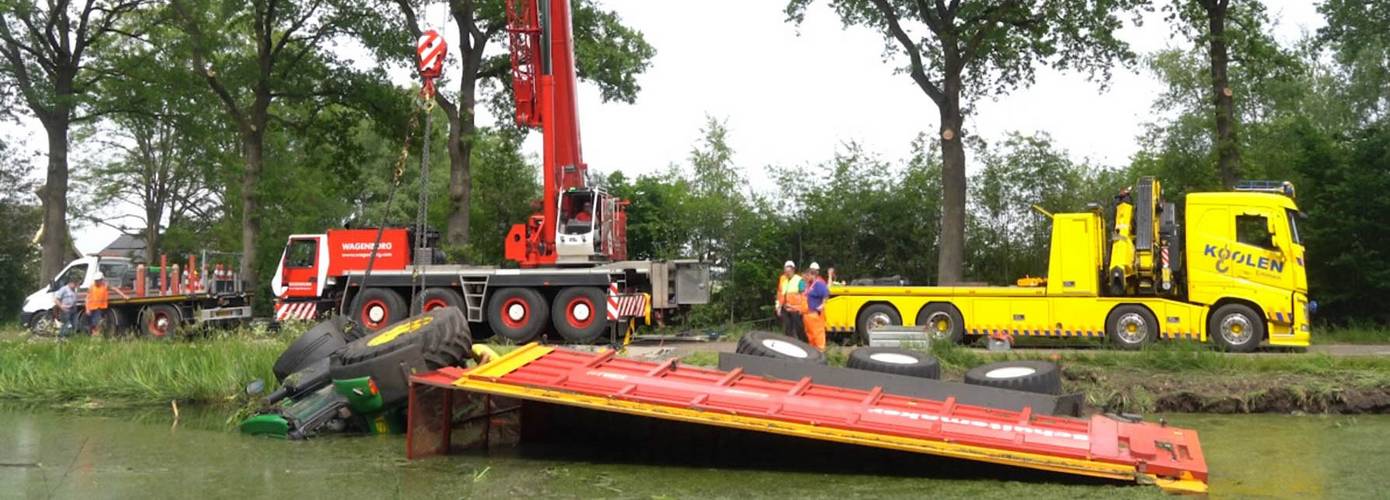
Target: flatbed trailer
[1099,446]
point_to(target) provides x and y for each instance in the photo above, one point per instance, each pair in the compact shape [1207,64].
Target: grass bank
[84,372]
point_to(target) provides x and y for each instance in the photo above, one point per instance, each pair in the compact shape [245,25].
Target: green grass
[1352,334]
[127,372]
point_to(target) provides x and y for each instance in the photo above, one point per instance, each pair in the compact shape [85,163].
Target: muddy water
[141,455]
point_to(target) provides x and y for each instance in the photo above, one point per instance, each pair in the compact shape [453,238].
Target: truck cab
[119,272]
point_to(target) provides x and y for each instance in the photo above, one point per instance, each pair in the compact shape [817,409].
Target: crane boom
[543,81]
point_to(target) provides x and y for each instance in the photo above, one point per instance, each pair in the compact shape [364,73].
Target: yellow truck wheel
[1131,327]
[876,316]
[1236,328]
[943,322]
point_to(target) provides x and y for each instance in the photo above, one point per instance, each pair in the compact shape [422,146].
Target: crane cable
[431,51]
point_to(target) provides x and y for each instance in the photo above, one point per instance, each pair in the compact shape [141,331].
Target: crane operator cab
[589,227]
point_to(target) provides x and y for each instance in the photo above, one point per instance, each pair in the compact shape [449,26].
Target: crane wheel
[580,314]
[377,308]
[433,298]
[776,345]
[873,317]
[1038,377]
[895,360]
[517,314]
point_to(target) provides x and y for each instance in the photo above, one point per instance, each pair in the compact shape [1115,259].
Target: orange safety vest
[789,292]
[96,297]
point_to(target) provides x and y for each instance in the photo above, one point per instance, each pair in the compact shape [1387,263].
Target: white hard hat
[98,276]
[789,264]
[814,266]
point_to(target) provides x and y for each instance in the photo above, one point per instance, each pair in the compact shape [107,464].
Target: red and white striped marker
[612,301]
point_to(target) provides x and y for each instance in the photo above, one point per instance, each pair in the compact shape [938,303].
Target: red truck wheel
[517,314]
[430,299]
[160,321]
[377,308]
[580,314]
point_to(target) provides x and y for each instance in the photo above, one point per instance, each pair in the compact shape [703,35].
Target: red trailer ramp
[1098,446]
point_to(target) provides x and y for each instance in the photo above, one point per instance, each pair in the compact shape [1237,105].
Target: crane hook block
[431,50]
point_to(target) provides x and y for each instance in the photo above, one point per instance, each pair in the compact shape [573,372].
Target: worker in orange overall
[817,291]
[790,302]
[97,305]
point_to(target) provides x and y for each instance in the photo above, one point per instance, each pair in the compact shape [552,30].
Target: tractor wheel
[377,308]
[1029,376]
[580,314]
[896,361]
[774,345]
[314,345]
[517,314]
[429,341]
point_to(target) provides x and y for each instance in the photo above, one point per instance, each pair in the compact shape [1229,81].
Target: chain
[422,210]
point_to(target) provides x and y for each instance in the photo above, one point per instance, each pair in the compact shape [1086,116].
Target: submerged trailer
[536,375]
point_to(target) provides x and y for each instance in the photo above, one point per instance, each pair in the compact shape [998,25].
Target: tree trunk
[950,262]
[153,213]
[462,129]
[254,146]
[1227,146]
[55,198]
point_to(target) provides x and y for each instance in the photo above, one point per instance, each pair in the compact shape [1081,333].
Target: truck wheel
[429,341]
[1029,376]
[774,345]
[517,314]
[580,314]
[876,316]
[433,298]
[316,344]
[160,321]
[1131,327]
[896,361]
[377,308]
[1236,328]
[943,322]
[44,324]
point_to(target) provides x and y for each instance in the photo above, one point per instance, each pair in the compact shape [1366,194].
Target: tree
[47,55]
[973,49]
[284,59]
[607,53]
[1356,31]
[17,251]
[166,147]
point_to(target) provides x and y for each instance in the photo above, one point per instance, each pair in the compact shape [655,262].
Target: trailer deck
[1099,446]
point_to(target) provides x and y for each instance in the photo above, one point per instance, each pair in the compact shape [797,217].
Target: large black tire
[314,345]
[896,361]
[943,322]
[1131,327]
[433,298]
[429,341]
[377,308]
[517,314]
[1236,328]
[772,345]
[44,324]
[160,321]
[580,314]
[875,316]
[1029,376]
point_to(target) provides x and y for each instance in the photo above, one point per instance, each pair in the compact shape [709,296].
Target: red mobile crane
[574,278]
[579,223]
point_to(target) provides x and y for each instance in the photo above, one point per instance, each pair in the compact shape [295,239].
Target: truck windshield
[1294,216]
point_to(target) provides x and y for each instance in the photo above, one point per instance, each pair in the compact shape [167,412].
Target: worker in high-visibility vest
[789,302]
[817,291]
[97,304]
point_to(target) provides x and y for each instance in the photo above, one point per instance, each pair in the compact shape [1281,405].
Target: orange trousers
[815,329]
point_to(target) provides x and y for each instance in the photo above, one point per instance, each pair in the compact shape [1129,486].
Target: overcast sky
[791,95]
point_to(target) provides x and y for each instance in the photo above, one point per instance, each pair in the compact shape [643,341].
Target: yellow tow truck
[1220,267]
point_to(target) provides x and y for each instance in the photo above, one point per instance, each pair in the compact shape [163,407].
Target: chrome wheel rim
[1131,328]
[939,324]
[1236,330]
